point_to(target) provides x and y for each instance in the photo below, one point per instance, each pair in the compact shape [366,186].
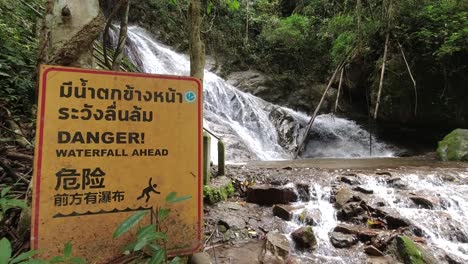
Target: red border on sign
[35,231]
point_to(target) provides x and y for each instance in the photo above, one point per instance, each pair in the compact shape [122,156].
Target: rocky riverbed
[392,212]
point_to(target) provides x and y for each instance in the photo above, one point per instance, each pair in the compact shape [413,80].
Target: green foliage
[7,202]
[288,33]
[18,47]
[149,238]
[67,257]
[213,195]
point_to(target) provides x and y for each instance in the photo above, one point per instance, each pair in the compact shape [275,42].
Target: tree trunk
[197,49]
[382,73]
[119,50]
[412,79]
[68,32]
[339,89]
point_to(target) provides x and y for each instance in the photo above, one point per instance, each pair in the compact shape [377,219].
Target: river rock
[454,146]
[363,233]
[276,248]
[284,212]
[344,195]
[303,191]
[340,240]
[395,220]
[350,210]
[304,238]
[200,258]
[269,195]
[422,201]
[350,180]
[373,251]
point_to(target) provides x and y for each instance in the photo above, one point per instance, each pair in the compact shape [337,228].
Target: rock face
[422,201]
[454,146]
[304,238]
[276,249]
[269,195]
[340,240]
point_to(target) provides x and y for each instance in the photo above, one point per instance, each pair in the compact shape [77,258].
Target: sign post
[109,144]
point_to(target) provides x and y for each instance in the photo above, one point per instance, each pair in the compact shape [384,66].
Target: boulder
[219,189]
[454,146]
[284,212]
[304,238]
[395,221]
[350,210]
[200,258]
[269,195]
[276,248]
[341,240]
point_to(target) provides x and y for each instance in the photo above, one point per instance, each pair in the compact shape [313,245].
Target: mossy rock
[454,146]
[221,188]
[411,253]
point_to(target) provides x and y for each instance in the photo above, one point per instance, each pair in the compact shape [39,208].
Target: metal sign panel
[109,144]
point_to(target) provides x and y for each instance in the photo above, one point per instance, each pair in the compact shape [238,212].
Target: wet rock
[310,217]
[350,210]
[345,195]
[276,248]
[363,190]
[269,195]
[386,173]
[394,221]
[393,180]
[422,201]
[304,238]
[363,233]
[350,180]
[284,212]
[341,240]
[200,258]
[411,253]
[373,251]
[231,221]
[452,259]
[458,234]
[303,191]
[219,189]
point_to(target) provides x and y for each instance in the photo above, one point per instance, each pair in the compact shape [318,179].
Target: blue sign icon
[190,97]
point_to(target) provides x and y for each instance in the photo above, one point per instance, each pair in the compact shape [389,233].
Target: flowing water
[445,227]
[252,128]
[257,130]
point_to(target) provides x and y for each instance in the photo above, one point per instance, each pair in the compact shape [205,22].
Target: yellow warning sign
[110,144]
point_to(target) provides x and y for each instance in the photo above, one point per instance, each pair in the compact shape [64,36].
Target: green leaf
[155,248]
[35,261]
[5,250]
[5,191]
[56,259]
[67,250]
[172,198]
[209,7]
[16,203]
[129,223]
[24,256]
[175,260]
[163,213]
[158,257]
[145,230]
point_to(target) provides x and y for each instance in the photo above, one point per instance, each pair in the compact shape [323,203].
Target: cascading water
[251,128]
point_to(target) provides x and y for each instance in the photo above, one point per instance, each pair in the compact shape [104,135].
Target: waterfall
[252,128]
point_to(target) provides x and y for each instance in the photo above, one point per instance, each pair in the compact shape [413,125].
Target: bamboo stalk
[412,79]
[312,119]
[382,73]
[339,89]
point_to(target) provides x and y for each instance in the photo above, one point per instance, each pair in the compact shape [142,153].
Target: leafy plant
[149,238]
[8,202]
[67,256]
[7,258]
